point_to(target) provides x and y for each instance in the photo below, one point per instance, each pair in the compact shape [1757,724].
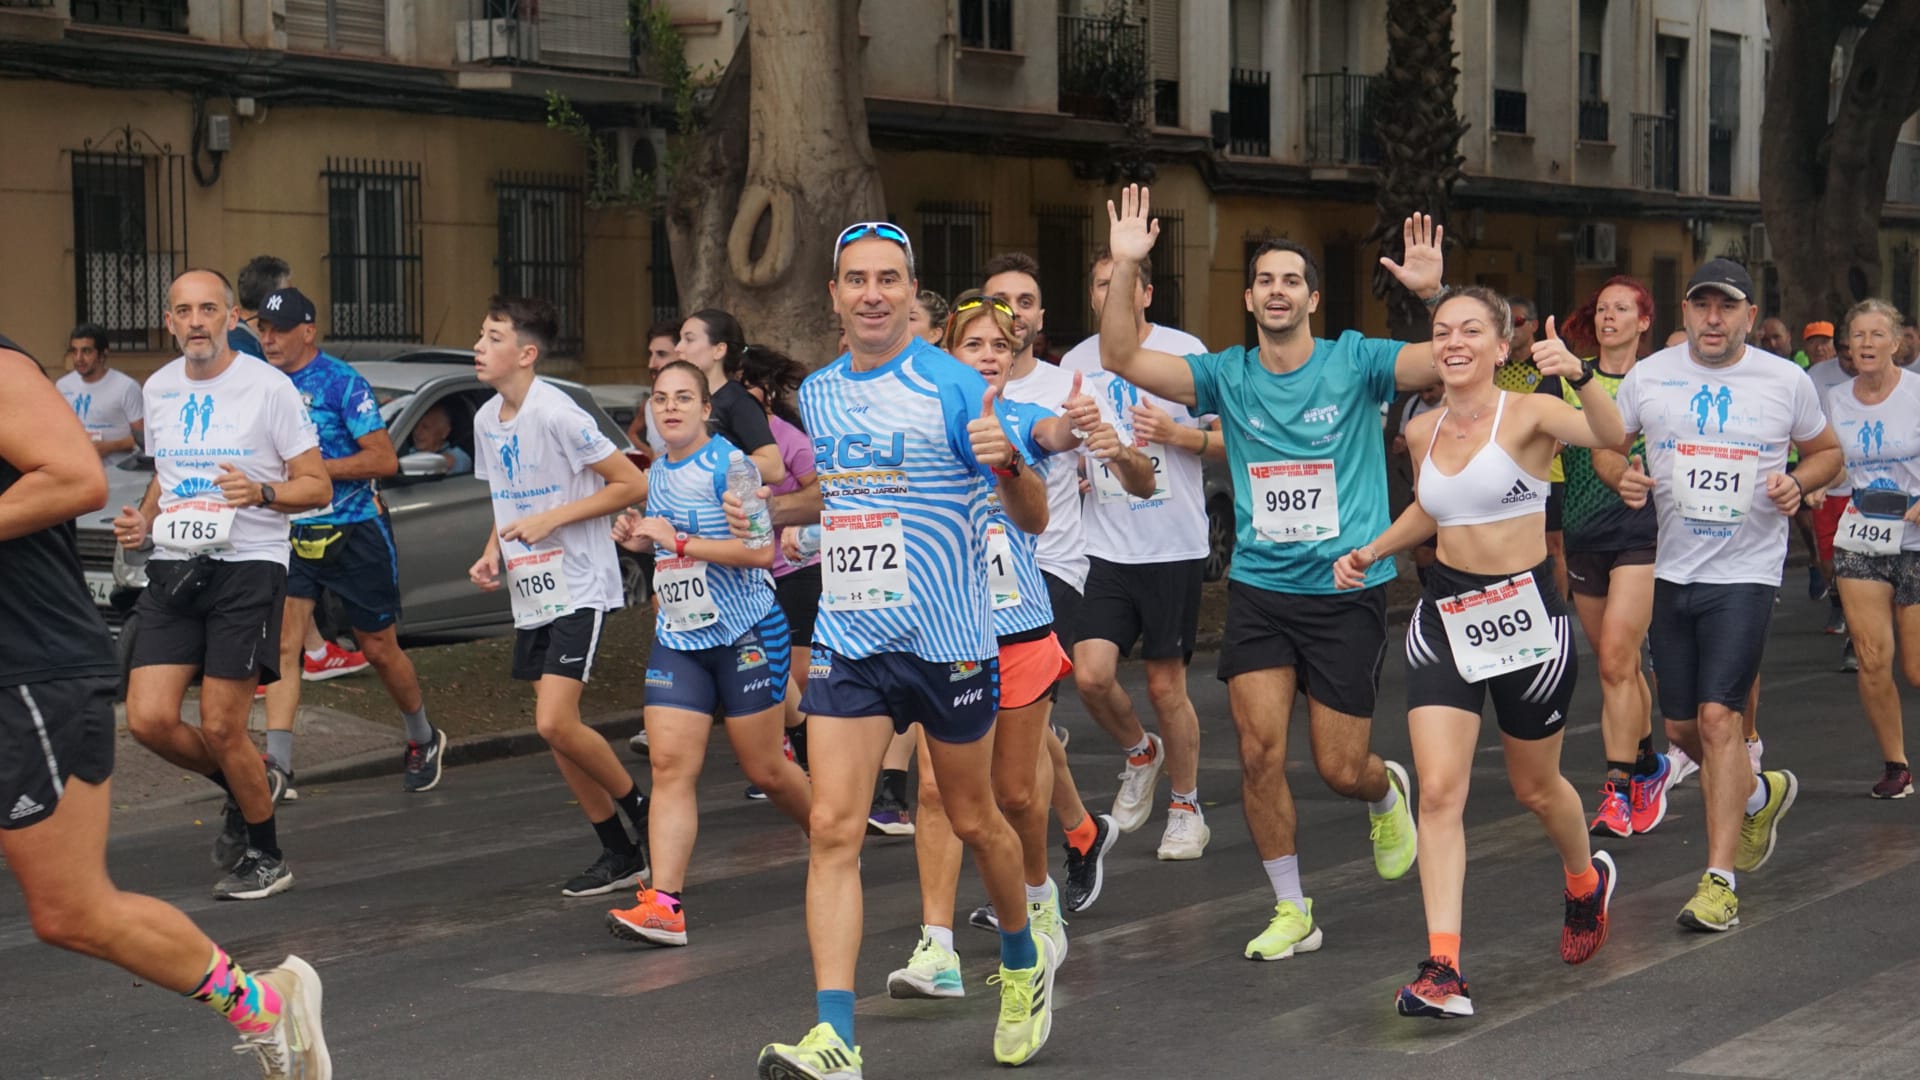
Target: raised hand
[1152,423]
[990,445]
[1081,411]
[1635,485]
[1103,442]
[1423,263]
[1552,356]
[1131,230]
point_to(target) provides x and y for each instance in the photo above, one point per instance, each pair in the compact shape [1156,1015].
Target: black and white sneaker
[422,771]
[231,845]
[611,872]
[984,918]
[638,744]
[258,876]
[279,782]
[1086,874]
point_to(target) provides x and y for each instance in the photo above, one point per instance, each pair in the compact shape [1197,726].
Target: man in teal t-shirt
[1301,418]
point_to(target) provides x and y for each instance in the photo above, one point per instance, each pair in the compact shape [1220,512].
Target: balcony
[1656,152]
[1340,119]
[165,16]
[1249,112]
[1719,160]
[585,35]
[1510,111]
[1102,68]
[1594,122]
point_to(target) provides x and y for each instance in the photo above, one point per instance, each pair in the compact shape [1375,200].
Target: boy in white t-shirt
[556,483]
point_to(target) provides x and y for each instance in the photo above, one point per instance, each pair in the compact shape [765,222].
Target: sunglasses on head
[980,301]
[885,230]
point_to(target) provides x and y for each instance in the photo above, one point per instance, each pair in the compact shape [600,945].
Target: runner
[1876,418]
[930,313]
[57,676]
[345,547]
[233,453]
[1520,375]
[720,642]
[663,347]
[1609,554]
[1147,552]
[1828,374]
[1721,548]
[712,341]
[261,275]
[1302,422]
[1486,628]
[106,401]
[556,483]
[906,442]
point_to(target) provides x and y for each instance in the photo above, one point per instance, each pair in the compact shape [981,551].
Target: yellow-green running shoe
[1714,906]
[1026,1006]
[1758,831]
[1291,931]
[820,1056]
[1048,922]
[1395,840]
[933,971]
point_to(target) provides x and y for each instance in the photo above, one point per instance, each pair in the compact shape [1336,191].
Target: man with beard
[106,401]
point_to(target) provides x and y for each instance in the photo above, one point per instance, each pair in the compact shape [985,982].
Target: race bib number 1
[1714,481]
[537,582]
[195,526]
[1501,628]
[863,561]
[1002,583]
[1865,535]
[685,603]
[1294,501]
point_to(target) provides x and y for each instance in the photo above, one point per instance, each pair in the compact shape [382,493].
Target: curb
[471,750]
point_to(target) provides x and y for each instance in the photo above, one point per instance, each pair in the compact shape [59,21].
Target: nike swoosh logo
[571,659]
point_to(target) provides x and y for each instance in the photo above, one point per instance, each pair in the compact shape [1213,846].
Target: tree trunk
[1419,134]
[1822,184]
[783,163]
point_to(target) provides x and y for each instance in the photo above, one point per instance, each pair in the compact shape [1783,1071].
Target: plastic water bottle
[808,542]
[743,481]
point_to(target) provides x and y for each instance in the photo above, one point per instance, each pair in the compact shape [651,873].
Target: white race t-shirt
[107,407]
[1763,403]
[250,416]
[1130,531]
[1062,549]
[1881,442]
[542,459]
[1826,375]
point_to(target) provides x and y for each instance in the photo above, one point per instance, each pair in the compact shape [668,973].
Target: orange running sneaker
[1586,926]
[657,919]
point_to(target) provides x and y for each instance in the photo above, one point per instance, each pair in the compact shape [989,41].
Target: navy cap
[284,309]
[1725,275]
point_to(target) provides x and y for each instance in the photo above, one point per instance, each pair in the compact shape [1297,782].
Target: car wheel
[123,649]
[636,579]
[1219,538]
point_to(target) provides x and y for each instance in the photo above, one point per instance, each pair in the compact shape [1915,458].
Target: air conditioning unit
[1759,244]
[479,41]
[1595,245]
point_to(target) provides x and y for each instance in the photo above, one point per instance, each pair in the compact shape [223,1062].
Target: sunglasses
[981,301]
[885,230]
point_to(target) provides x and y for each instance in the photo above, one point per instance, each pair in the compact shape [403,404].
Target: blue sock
[1017,950]
[836,1008]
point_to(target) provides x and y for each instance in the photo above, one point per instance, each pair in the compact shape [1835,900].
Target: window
[351,26]
[167,16]
[373,250]
[1723,111]
[986,24]
[129,238]
[1169,272]
[1065,246]
[665,288]
[1593,27]
[952,247]
[1509,66]
[542,242]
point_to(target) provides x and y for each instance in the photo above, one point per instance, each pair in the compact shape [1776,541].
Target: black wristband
[266,494]
[1587,368]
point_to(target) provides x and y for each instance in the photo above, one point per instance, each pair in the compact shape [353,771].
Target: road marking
[1843,1035]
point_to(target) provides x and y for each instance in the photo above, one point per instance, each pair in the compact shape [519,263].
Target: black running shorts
[50,733]
[228,627]
[1334,643]
[1530,703]
[1156,604]
[563,647]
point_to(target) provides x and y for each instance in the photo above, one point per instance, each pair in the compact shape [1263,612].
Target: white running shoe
[1186,836]
[1682,765]
[1134,802]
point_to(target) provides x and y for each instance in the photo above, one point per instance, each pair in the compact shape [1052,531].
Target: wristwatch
[1010,470]
[680,544]
[266,494]
[1587,368]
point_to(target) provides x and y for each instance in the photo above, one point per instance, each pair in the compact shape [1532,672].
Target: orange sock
[1445,947]
[1583,884]
[1082,835]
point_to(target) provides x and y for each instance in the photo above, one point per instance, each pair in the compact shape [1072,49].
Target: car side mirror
[424,463]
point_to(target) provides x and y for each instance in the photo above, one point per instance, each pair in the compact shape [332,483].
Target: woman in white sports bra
[1484,623]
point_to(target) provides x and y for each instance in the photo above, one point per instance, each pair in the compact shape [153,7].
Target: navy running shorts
[955,702]
[741,679]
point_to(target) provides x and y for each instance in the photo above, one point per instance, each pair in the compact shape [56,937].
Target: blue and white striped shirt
[687,493]
[1035,607]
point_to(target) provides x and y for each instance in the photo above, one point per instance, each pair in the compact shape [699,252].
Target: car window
[460,406]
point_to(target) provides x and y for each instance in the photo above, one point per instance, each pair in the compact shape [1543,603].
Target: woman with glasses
[712,341]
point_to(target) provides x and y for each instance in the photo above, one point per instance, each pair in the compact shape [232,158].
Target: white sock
[318,654]
[1041,893]
[1758,799]
[1284,872]
[1732,882]
[1142,747]
[941,936]
[1189,799]
[1386,803]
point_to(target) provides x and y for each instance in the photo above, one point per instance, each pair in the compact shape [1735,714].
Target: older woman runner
[1485,625]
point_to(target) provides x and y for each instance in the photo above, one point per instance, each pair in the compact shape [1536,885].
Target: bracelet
[1434,300]
[1203,440]
[1798,484]
[1008,471]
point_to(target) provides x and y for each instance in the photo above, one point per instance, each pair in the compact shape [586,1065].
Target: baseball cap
[1724,275]
[1817,329]
[284,309]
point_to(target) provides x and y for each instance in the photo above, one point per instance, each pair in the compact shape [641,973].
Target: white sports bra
[1491,487]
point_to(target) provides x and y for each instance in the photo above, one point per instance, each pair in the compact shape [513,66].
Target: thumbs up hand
[1635,485]
[1081,410]
[1552,356]
[989,442]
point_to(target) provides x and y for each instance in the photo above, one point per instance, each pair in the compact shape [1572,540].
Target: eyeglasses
[885,230]
[980,301]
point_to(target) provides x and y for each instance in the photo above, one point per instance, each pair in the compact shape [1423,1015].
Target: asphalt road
[448,952]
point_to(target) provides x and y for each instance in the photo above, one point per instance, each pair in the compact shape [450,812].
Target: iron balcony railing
[1340,119]
[589,35]
[1656,152]
[1510,111]
[1594,121]
[1250,112]
[1102,68]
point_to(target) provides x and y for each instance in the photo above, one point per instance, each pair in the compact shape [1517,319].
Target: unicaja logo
[194,486]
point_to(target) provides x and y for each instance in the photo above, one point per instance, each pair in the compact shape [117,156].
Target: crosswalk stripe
[1846,1034]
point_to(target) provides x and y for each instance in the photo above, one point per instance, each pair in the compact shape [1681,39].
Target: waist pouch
[319,544]
[178,582]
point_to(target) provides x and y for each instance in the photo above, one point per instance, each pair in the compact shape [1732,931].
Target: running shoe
[1585,929]
[1060,732]
[1047,922]
[422,769]
[1816,582]
[638,744]
[1087,874]
[258,876]
[1186,835]
[1849,660]
[1439,993]
[231,845]
[1026,1006]
[333,663]
[1616,814]
[296,1045]
[1682,765]
[889,817]
[984,918]
[1291,931]
[653,920]
[1756,748]
[755,793]
[1395,839]
[931,972]
[611,872]
[1759,831]
[820,1056]
[280,783]
[1836,622]
[1134,801]
[1714,906]
[1897,784]
[1648,797]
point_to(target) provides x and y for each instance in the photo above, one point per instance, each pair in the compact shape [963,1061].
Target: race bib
[1002,582]
[1501,628]
[1107,486]
[685,602]
[1714,481]
[1294,501]
[1865,535]
[195,526]
[863,562]
[537,582]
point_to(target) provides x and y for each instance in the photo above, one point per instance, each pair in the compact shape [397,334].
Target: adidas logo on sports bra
[1520,493]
